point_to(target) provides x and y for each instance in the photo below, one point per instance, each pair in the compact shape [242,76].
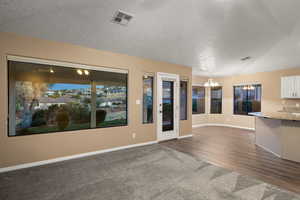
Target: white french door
[167,106]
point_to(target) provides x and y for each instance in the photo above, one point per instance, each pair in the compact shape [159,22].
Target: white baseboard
[224,125]
[268,150]
[185,136]
[44,162]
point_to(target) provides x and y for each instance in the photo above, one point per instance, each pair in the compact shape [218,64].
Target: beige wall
[24,149]
[271,100]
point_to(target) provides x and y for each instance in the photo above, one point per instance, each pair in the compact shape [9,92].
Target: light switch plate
[138,102]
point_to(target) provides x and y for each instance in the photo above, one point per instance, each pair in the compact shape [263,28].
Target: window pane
[198,100]
[183,100]
[148,100]
[216,100]
[44,99]
[247,98]
[111,101]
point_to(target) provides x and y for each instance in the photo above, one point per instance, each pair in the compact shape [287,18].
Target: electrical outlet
[133,135]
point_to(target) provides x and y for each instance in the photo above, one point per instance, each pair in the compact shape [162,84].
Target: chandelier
[248,87]
[211,83]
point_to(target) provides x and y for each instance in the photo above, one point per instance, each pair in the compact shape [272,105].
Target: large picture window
[216,100]
[198,100]
[247,98]
[45,99]
[183,99]
[147,99]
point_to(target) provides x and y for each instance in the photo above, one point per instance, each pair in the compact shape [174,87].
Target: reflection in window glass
[216,100]
[183,100]
[247,98]
[111,104]
[44,99]
[168,106]
[148,100]
[198,100]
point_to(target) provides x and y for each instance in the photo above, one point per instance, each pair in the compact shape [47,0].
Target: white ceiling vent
[121,17]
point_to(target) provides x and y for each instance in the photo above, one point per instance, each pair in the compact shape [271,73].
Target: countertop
[277,115]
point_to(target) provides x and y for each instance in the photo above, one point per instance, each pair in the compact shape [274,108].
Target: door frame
[167,135]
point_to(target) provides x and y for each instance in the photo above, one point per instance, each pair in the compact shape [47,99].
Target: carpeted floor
[150,172]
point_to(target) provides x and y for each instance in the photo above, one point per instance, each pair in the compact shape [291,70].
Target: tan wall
[24,149]
[271,101]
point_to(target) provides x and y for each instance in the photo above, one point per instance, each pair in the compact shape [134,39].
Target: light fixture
[79,71]
[86,72]
[51,71]
[211,83]
[248,87]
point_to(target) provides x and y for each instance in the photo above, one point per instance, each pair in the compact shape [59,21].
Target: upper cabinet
[290,87]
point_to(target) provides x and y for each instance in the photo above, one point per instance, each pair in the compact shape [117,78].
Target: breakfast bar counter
[279,133]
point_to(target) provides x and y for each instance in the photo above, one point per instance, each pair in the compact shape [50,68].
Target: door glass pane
[168,106]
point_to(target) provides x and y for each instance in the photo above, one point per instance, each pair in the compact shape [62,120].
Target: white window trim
[63,64]
[243,84]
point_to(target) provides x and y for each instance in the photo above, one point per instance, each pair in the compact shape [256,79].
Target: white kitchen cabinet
[290,87]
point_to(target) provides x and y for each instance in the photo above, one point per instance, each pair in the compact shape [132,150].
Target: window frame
[241,85]
[61,64]
[199,113]
[187,99]
[152,85]
[220,87]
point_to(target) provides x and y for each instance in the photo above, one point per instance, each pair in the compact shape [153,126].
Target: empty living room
[150,100]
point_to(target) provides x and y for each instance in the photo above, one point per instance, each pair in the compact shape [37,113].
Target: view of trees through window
[247,98]
[216,100]
[44,99]
[148,99]
[183,99]
[198,100]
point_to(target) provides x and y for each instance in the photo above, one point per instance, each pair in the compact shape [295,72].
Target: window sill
[67,131]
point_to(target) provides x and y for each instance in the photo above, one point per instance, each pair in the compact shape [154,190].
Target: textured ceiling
[209,35]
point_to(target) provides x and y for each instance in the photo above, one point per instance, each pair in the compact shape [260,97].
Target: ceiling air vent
[121,17]
[246,58]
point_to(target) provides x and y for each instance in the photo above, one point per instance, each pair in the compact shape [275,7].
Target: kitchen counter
[281,115]
[278,133]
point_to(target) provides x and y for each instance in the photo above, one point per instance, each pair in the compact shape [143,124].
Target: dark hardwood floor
[235,149]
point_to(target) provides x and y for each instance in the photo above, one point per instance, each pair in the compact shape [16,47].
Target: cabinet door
[284,88]
[291,86]
[297,86]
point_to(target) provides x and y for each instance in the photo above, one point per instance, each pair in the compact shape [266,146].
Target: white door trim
[167,135]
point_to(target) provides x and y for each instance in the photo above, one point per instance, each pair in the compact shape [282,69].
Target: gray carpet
[149,172]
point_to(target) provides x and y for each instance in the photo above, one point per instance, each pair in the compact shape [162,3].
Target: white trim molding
[224,125]
[268,150]
[45,162]
[64,64]
[185,136]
